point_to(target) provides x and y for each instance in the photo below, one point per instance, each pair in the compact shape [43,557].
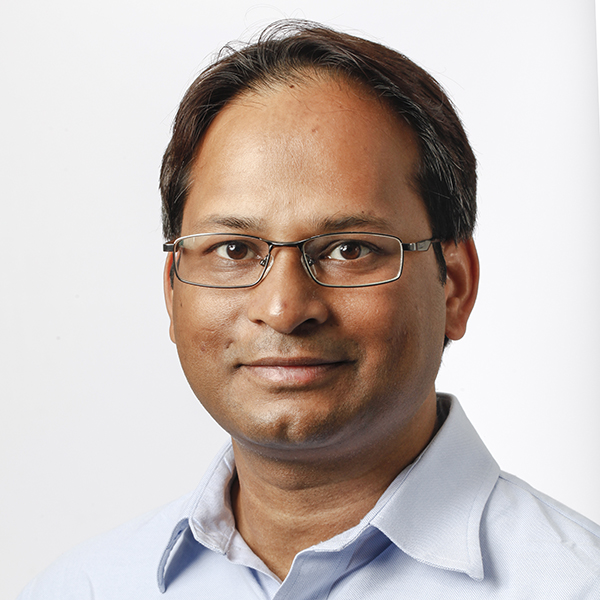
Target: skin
[327,393]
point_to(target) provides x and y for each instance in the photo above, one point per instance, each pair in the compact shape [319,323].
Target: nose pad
[307,263]
[267,260]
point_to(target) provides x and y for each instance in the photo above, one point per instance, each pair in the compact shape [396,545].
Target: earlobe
[461,286]
[168,290]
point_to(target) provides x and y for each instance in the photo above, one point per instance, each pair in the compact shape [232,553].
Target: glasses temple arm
[421,246]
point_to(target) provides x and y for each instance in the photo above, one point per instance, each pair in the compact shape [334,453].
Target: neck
[284,506]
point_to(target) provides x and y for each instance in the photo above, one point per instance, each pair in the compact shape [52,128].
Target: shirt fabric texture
[451,525]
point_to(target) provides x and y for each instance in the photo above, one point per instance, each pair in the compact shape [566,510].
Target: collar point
[475,572]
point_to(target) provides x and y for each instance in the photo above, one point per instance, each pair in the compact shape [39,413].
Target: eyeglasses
[343,260]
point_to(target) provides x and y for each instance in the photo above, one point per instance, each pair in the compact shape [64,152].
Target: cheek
[381,313]
[204,323]
[402,333]
[378,320]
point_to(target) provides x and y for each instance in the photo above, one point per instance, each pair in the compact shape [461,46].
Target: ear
[168,289]
[462,281]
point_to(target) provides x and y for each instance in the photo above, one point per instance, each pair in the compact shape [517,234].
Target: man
[319,203]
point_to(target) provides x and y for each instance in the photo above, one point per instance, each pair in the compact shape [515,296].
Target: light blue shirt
[450,526]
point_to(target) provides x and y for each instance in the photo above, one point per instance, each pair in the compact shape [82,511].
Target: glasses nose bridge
[299,245]
[271,257]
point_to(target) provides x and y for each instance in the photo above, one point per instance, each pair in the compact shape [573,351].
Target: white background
[97,422]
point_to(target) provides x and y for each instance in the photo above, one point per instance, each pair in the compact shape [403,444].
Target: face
[290,366]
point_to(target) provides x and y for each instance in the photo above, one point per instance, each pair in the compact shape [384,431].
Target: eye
[349,250]
[235,250]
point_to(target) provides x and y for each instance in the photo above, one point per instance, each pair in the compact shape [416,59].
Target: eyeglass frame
[420,246]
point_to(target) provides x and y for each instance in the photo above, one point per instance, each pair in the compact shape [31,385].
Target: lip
[292,371]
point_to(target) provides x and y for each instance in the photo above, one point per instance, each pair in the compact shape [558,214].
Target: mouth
[297,371]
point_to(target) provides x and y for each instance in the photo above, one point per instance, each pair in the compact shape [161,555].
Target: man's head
[446,175]
[290,365]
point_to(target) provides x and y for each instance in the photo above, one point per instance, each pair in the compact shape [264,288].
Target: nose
[287,299]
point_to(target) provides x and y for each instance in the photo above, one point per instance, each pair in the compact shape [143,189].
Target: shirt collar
[432,511]
[207,513]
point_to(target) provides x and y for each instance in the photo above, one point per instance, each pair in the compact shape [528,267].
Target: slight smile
[300,371]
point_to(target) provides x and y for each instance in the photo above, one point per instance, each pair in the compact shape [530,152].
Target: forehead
[309,148]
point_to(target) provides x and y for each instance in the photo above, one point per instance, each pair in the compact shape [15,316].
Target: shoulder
[539,532]
[107,565]
[536,507]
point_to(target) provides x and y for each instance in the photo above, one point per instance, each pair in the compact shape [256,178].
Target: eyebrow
[349,222]
[230,222]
